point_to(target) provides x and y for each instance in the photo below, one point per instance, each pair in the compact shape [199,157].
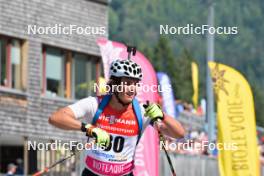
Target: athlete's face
[129,91]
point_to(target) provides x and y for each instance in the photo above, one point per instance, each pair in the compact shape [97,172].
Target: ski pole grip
[41,172]
[95,136]
[146,105]
[38,173]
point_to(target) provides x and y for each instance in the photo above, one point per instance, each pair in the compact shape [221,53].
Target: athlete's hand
[153,111]
[102,137]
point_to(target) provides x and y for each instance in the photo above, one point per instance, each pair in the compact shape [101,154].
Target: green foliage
[163,58]
[182,77]
[259,104]
[138,22]
[178,68]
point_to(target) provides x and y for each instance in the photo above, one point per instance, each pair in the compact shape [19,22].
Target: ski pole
[162,138]
[60,161]
[47,169]
[131,50]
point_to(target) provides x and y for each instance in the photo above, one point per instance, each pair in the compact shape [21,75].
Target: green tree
[178,68]
[138,22]
[163,59]
[259,104]
[182,77]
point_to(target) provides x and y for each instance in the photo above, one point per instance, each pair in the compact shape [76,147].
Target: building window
[3,72]
[67,74]
[10,63]
[16,64]
[83,76]
[54,71]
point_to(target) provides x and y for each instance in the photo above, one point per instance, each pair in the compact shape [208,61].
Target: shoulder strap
[101,107]
[137,111]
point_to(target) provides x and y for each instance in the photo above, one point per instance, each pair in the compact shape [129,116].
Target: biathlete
[116,120]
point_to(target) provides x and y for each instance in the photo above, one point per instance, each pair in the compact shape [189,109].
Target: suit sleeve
[85,108]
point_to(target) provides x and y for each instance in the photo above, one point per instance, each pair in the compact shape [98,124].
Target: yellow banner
[195,81]
[236,122]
